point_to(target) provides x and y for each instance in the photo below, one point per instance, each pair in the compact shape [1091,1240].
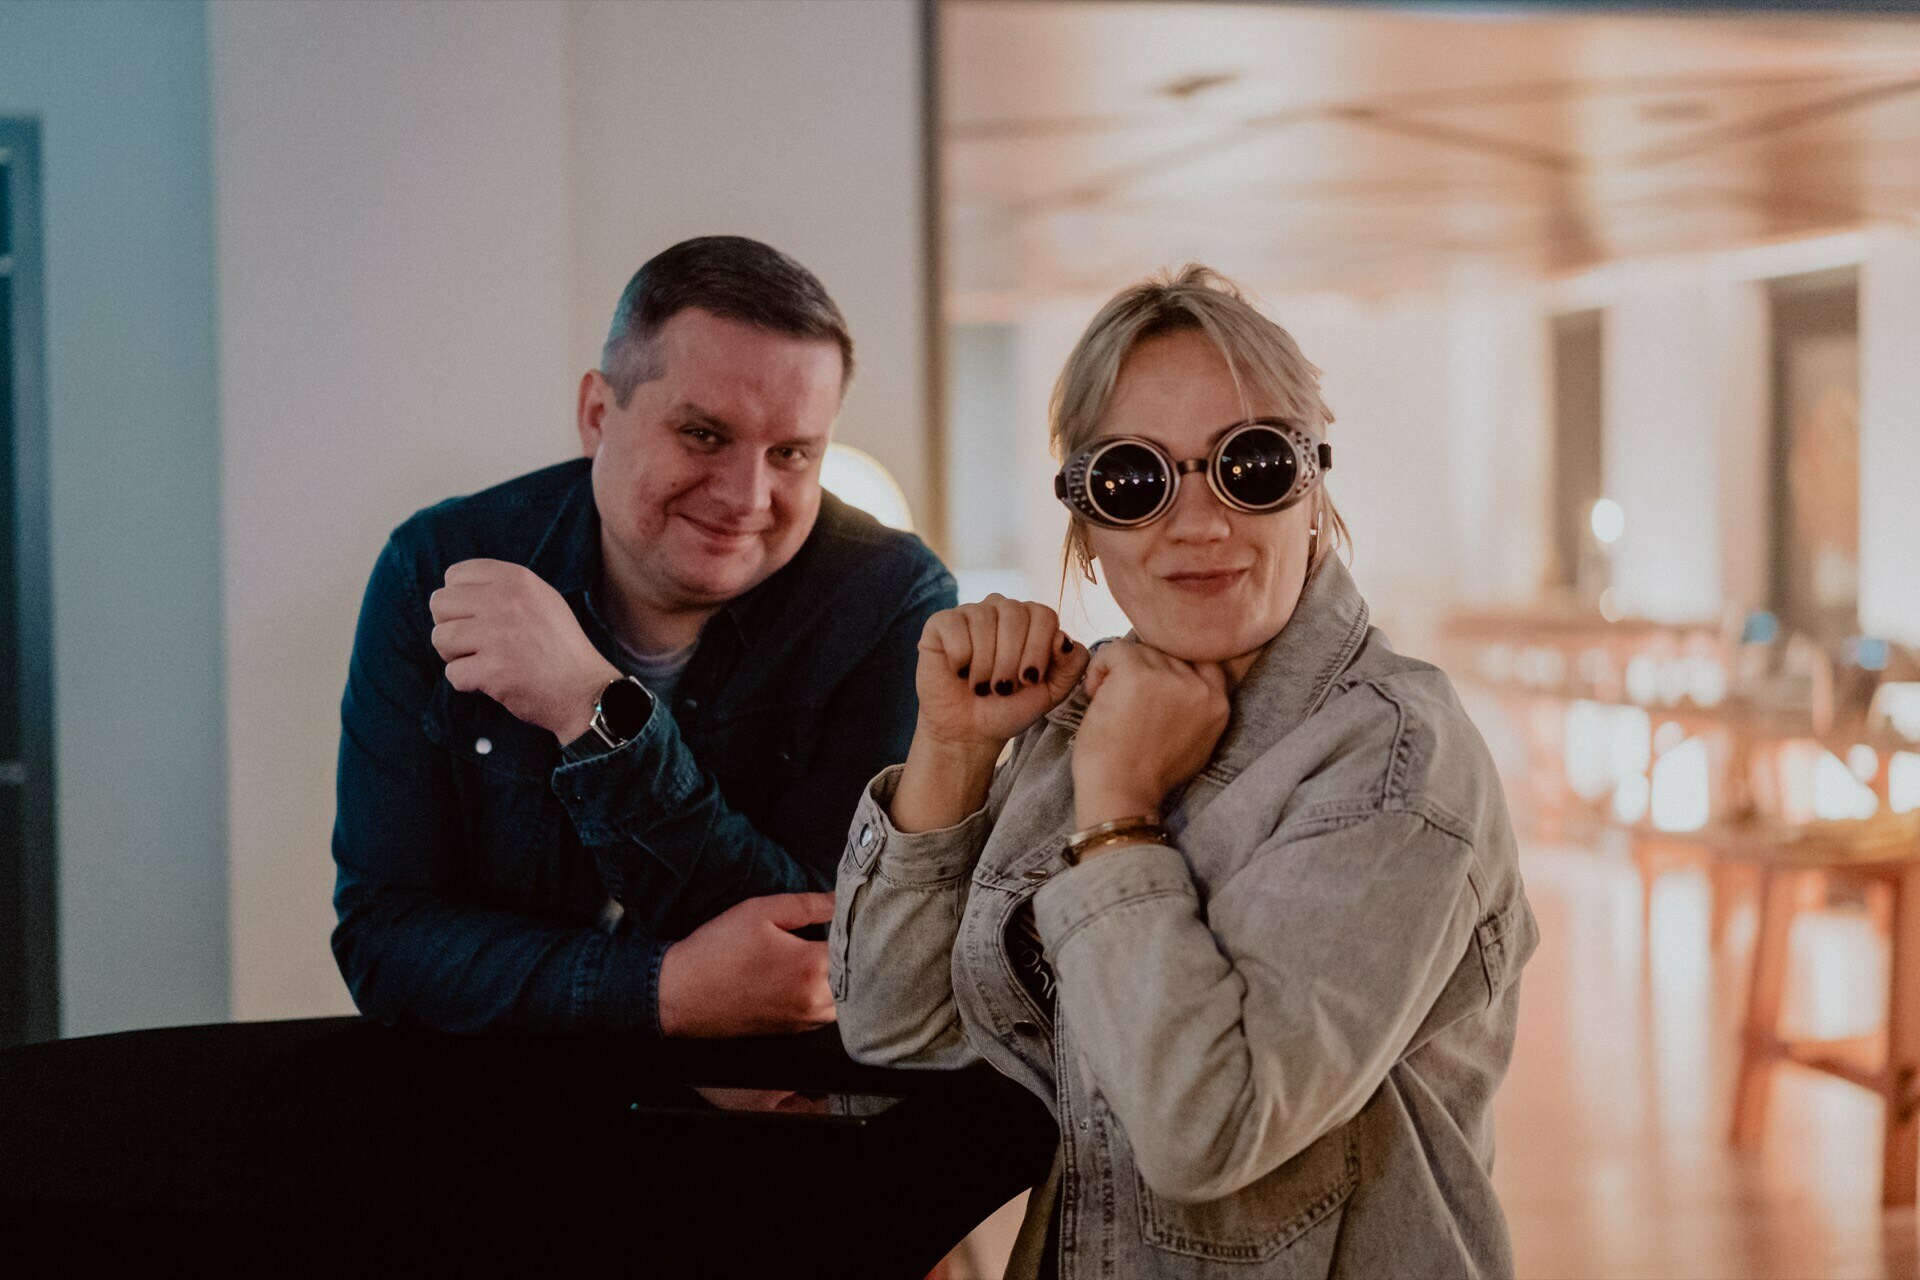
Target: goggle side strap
[1326,456]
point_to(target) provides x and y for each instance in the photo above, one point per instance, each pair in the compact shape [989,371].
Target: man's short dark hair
[731,277]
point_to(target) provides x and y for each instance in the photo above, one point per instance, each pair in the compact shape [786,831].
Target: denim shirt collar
[1290,679]
[568,557]
[568,554]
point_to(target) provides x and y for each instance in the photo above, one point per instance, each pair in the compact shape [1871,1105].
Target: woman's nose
[1197,515]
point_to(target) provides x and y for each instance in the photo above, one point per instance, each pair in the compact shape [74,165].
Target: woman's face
[1204,582]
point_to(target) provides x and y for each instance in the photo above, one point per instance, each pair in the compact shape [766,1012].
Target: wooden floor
[1613,1160]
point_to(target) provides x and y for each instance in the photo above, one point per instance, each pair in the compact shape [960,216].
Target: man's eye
[790,456]
[701,436]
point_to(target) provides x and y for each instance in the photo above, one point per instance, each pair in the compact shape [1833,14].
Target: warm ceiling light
[1608,521]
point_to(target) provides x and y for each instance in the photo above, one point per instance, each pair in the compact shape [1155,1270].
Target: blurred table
[298,1145]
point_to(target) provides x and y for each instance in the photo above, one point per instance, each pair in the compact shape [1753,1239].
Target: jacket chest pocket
[1291,1216]
[502,769]
[757,758]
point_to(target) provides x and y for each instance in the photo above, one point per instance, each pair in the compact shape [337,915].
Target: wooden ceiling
[1089,141]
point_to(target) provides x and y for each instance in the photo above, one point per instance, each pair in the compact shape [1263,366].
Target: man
[605,724]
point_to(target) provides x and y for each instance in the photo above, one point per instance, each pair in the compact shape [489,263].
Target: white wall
[1890,436]
[120,91]
[393,320]
[1662,445]
[426,213]
[795,123]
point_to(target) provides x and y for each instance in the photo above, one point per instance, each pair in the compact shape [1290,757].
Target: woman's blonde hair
[1260,355]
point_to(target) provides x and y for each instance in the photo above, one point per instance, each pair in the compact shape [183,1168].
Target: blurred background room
[1617,306]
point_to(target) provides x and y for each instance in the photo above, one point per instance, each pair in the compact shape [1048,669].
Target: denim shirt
[475,862]
[1276,1040]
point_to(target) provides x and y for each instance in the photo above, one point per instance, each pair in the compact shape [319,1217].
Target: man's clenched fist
[504,632]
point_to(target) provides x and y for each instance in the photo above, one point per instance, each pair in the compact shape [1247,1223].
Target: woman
[1240,899]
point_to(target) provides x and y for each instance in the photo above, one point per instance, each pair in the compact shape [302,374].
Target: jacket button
[1026,1028]
[1035,875]
[691,704]
[482,746]
[866,835]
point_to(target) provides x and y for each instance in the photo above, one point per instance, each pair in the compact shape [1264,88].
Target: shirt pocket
[479,733]
[1506,939]
[1273,1219]
[760,757]
[502,769]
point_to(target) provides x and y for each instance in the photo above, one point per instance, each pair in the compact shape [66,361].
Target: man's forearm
[420,959]
[667,843]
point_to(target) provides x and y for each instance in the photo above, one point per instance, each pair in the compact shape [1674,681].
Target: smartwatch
[622,711]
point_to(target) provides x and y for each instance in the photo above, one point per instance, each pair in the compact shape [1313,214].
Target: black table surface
[303,1145]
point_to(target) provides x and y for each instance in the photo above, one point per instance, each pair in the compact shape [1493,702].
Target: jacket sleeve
[675,853]
[411,950]
[897,910]
[1227,1038]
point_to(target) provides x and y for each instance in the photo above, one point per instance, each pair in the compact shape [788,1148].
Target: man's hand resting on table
[743,973]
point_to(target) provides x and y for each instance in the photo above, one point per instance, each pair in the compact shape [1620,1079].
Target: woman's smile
[1205,582]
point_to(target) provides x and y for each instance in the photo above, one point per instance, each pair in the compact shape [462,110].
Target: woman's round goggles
[1264,464]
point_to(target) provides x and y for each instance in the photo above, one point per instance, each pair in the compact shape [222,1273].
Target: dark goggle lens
[1127,483]
[1258,467]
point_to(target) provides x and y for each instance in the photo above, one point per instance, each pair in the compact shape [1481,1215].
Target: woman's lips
[1210,583]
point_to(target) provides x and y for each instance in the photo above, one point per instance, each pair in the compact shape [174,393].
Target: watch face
[625,707]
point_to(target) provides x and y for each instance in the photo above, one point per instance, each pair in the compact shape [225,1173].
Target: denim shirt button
[1035,874]
[1026,1028]
[866,835]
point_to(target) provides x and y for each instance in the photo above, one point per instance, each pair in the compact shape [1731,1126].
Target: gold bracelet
[1081,843]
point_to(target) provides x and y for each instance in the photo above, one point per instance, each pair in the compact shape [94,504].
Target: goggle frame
[1313,458]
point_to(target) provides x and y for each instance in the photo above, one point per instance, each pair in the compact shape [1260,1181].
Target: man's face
[708,480]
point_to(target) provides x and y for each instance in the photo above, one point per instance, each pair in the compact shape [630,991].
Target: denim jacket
[475,862]
[1275,1041]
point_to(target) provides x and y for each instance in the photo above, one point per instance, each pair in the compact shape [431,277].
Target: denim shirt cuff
[628,998]
[1079,896]
[919,857]
[606,792]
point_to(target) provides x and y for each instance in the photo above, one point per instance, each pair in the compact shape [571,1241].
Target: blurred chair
[1802,782]
[1800,865]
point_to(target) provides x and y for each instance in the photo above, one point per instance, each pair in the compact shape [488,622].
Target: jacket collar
[568,557]
[1290,679]
[568,554]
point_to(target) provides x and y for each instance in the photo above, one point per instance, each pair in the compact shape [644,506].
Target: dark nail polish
[1066,646]
[963,673]
[1003,688]
[982,689]
[1031,675]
